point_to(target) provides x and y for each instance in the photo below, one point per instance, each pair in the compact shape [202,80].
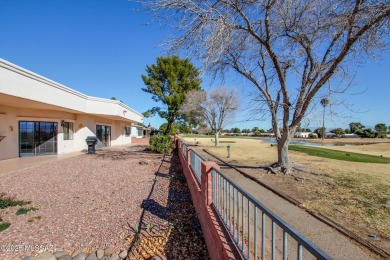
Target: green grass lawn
[213,136]
[338,155]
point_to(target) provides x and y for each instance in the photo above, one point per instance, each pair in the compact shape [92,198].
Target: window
[140,131]
[127,130]
[68,130]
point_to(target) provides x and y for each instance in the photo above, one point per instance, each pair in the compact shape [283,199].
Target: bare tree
[215,108]
[287,49]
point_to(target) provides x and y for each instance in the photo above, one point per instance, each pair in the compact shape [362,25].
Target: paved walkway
[11,165]
[328,239]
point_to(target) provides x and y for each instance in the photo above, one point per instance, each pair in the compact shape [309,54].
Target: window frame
[127,131]
[68,130]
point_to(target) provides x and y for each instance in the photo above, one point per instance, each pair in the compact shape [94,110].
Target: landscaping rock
[28,258]
[123,254]
[144,162]
[109,251]
[65,257]
[92,256]
[58,254]
[76,252]
[45,256]
[100,253]
[114,257]
[158,257]
[104,258]
[81,256]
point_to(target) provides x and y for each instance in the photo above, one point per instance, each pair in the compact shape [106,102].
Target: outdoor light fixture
[62,123]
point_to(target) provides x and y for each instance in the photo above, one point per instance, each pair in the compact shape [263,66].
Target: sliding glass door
[37,138]
[103,133]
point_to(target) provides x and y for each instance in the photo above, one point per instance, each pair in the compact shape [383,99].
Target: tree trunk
[323,125]
[216,138]
[169,125]
[283,160]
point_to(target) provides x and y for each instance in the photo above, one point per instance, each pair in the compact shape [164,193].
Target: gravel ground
[169,227]
[85,202]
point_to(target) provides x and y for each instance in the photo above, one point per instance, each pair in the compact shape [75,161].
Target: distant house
[303,134]
[330,135]
[351,136]
[267,134]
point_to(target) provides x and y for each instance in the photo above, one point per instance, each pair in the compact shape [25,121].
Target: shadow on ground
[168,227]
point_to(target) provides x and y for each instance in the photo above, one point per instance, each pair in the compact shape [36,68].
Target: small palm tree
[324,103]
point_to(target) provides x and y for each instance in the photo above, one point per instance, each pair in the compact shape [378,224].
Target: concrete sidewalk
[327,238]
[11,165]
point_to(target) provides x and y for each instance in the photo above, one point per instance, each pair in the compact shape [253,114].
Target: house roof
[18,84]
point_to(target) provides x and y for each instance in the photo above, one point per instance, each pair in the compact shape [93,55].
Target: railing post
[188,157]
[206,181]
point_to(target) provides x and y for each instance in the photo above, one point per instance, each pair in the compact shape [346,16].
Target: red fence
[219,243]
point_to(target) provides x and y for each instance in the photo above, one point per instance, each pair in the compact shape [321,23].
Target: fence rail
[196,164]
[245,218]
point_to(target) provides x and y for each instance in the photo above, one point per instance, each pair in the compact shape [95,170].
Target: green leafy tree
[368,133]
[381,129]
[245,131]
[182,128]
[235,130]
[355,127]
[338,131]
[172,131]
[168,81]
[320,131]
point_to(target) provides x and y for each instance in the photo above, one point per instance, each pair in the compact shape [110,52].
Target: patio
[87,202]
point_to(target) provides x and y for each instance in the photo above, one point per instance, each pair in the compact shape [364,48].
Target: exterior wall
[84,125]
[134,132]
[135,140]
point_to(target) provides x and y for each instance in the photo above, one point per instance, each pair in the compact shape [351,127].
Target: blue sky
[102,47]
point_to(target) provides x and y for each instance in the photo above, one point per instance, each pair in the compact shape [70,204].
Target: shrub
[6,202]
[23,211]
[161,144]
[4,226]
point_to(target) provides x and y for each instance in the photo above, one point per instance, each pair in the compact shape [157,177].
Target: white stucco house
[40,117]
[304,134]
